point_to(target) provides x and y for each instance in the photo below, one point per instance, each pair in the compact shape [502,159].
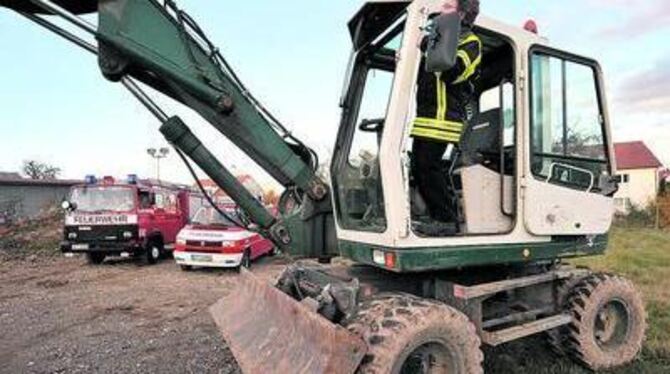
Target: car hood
[202,232]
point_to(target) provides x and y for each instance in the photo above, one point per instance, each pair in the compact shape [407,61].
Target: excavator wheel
[407,334]
[556,338]
[609,322]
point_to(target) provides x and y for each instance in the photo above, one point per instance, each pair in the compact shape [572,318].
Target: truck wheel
[609,322]
[407,334]
[95,258]
[153,253]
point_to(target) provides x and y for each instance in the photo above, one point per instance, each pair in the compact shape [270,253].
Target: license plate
[201,258]
[79,247]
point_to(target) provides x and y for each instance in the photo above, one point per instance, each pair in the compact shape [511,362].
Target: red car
[211,240]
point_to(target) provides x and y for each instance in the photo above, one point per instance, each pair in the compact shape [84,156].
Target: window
[365,145]
[355,171]
[568,140]
[167,201]
[622,204]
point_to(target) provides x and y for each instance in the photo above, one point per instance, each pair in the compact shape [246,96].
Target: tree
[38,170]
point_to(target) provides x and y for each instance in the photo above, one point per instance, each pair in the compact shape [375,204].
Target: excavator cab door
[570,182]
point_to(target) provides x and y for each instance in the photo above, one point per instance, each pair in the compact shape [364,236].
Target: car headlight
[227,243]
[181,241]
[72,235]
[127,234]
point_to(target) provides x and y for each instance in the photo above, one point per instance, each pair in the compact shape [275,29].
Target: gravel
[62,315]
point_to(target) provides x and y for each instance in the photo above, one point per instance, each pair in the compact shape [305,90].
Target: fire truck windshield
[209,216]
[93,199]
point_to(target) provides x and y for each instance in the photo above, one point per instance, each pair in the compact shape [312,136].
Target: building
[640,173]
[22,198]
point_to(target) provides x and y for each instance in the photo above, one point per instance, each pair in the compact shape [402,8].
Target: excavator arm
[163,47]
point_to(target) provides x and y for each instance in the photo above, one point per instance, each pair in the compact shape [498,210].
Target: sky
[55,107]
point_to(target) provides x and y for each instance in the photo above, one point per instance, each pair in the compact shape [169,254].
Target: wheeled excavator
[532,179]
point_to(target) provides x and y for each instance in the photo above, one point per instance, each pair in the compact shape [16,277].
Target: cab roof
[375,16]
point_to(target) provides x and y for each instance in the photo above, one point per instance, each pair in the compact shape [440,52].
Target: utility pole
[158,154]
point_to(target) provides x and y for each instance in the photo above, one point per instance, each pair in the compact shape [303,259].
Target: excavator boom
[161,46]
[175,57]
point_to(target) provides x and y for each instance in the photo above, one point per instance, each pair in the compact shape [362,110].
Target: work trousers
[430,177]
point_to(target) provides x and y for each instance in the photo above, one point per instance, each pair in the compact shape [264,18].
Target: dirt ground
[61,315]
[64,316]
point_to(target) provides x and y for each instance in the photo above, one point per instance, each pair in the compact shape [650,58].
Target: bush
[638,217]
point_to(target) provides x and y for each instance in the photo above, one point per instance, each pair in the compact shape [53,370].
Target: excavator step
[531,328]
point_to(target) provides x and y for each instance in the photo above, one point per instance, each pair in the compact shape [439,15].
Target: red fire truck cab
[133,218]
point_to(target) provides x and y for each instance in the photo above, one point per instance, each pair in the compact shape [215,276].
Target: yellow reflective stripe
[441,104]
[470,38]
[464,56]
[437,124]
[436,135]
[469,71]
[470,66]
[456,134]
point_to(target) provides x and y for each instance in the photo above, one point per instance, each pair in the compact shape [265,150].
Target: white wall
[640,190]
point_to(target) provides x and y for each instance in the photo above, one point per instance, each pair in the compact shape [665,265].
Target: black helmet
[470,10]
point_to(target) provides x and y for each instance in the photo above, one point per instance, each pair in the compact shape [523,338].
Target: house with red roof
[640,172]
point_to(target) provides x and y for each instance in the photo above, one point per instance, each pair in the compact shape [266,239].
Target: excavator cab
[537,149]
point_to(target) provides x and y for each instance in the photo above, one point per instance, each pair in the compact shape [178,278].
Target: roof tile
[635,155]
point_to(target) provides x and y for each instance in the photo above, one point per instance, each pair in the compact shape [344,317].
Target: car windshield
[98,199]
[209,216]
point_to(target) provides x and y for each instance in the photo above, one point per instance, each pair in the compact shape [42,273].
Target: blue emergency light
[90,179]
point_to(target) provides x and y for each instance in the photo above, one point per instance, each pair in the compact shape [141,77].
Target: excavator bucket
[269,332]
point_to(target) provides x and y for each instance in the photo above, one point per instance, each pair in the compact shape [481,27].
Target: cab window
[568,137]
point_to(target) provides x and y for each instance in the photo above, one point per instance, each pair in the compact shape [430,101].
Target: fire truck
[129,218]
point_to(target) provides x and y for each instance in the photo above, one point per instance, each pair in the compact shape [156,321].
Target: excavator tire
[609,322]
[408,334]
[557,337]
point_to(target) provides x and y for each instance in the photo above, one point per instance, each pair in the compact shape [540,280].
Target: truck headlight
[72,235]
[127,235]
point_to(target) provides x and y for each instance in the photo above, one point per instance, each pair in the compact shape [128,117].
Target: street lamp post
[158,154]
